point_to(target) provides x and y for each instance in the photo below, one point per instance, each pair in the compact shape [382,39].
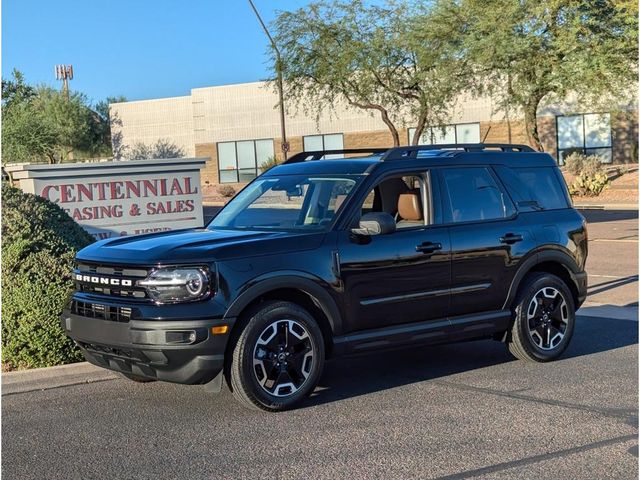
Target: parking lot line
[615,240]
[538,458]
[597,275]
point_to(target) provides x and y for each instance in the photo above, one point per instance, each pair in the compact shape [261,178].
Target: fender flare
[310,285]
[558,256]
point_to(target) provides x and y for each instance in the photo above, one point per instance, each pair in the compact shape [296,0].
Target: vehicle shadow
[349,377]
[597,216]
[611,284]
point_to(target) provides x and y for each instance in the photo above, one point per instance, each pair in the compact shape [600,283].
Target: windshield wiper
[531,203]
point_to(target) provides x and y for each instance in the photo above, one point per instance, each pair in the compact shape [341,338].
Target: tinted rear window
[535,183]
[544,185]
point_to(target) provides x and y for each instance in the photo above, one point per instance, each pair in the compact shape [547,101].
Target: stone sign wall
[111,199]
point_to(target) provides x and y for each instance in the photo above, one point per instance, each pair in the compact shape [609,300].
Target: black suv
[320,257]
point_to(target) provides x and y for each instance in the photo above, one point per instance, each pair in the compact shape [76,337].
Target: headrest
[409,206]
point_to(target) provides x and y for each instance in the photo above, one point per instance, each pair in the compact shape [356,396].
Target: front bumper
[151,349]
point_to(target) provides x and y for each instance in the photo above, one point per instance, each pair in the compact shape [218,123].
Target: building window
[448,134]
[589,134]
[314,143]
[240,161]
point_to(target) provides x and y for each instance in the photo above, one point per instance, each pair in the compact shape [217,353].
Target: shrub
[590,179]
[226,191]
[574,161]
[39,242]
[268,164]
[587,185]
[578,163]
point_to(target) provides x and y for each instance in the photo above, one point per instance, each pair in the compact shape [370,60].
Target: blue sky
[138,48]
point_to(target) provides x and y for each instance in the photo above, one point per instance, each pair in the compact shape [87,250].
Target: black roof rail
[402,153]
[318,154]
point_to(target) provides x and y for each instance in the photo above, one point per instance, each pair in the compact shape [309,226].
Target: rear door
[488,238]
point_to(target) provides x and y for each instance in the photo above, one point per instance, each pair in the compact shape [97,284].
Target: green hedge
[39,242]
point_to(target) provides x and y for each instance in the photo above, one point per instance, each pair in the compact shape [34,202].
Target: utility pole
[64,73]
[285,144]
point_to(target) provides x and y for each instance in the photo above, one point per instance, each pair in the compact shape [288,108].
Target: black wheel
[544,318]
[277,358]
[136,378]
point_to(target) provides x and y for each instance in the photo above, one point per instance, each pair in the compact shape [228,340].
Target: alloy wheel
[283,357]
[547,318]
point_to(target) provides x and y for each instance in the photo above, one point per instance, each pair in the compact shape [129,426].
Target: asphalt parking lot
[457,411]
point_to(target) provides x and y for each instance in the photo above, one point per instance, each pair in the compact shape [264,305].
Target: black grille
[132,273]
[103,312]
[110,351]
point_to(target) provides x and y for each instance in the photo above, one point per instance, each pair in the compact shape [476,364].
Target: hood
[196,245]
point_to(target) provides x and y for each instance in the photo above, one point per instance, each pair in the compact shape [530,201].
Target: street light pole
[285,144]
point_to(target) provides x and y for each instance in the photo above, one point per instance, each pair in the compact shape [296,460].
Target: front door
[400,277]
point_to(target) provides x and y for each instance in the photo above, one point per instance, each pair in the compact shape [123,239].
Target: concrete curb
[23,381]
[607,206]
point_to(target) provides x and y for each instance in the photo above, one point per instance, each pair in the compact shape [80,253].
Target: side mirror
[375,223]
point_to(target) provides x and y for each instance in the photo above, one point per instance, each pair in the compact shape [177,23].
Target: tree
[161,149]
[26,134]
[524,51]
[70,118]
[367,56]
[108,141]
[16,90]
[42,124]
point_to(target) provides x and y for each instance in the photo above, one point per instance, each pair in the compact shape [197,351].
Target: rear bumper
[152,349]
[581,284]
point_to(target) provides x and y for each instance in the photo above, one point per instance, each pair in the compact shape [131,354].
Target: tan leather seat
[339,201]
[410,209]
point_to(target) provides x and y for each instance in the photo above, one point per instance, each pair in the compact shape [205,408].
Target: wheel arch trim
[560,257]
[294,280]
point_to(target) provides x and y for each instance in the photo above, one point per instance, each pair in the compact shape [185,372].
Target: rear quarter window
[542,184]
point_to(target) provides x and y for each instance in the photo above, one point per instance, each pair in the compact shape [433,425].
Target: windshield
[288,202]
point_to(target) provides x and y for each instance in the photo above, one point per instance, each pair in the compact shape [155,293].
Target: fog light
[188,336]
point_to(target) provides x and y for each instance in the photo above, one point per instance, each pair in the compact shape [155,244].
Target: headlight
[177,284]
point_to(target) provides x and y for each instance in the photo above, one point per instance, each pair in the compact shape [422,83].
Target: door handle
[428,247]
[511,238]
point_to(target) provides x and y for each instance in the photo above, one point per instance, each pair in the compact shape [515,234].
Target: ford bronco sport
[322,257]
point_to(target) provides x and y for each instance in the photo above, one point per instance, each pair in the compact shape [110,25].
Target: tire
[136,378]
[277,357]
[544,318]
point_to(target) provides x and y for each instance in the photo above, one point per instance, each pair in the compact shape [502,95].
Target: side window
[474,195]
[542,184]
[406,198]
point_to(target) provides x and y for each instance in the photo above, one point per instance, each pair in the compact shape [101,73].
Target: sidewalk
[22,381]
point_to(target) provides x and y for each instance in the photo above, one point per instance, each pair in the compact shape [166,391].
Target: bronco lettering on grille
[118,282]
